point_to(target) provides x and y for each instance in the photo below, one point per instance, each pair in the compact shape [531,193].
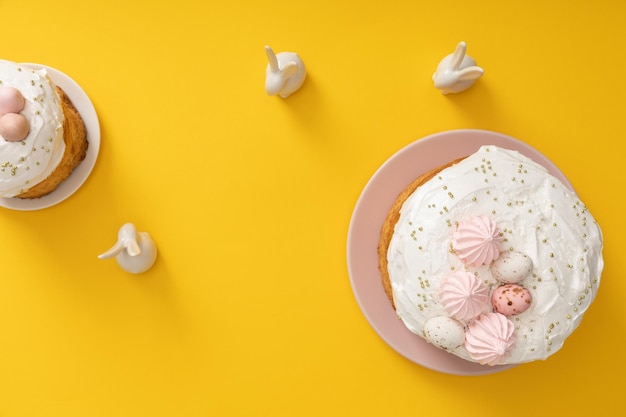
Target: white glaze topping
[25,163]
[538,216]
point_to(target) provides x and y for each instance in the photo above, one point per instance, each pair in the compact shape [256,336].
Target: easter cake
[491,258]
[42,135]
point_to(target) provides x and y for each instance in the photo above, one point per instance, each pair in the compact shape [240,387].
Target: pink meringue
[489,338]
[464,296]
[477,241]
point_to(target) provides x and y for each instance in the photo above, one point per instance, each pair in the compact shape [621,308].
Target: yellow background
[249,309]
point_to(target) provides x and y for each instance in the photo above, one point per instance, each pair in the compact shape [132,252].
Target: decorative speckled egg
[11,100]
[511,267]
[444,332]
[511,299]
[13,127]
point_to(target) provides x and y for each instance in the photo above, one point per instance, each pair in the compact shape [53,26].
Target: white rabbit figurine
[456,72]
[285,73]
[135,252]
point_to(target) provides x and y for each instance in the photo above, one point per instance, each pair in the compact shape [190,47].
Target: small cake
[42,136]
[491,258]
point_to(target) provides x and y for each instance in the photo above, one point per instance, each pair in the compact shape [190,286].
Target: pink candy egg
[511,299]
[13,127]
[11,100]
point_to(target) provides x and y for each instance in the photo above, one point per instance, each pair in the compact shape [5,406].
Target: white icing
[539,216]
[26,163]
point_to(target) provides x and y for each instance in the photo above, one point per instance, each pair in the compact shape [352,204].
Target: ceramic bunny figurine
[456,72]
[134,251]
[285,73]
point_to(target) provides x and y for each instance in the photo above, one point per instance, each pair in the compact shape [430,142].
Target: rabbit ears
[271,57]
[288,69]
[459,55]
[470,73]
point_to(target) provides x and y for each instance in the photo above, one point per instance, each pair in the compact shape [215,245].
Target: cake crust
[389,224]
[76,144]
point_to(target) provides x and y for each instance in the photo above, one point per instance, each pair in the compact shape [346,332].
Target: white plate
[370,212]
[81,173]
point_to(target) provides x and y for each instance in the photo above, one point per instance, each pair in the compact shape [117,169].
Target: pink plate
[370,212]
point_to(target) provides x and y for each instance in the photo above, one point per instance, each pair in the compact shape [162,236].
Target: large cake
[42,135]
[491,258]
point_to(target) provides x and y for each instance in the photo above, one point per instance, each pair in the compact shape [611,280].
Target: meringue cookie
[464,296]
[489,338]
[477,240]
